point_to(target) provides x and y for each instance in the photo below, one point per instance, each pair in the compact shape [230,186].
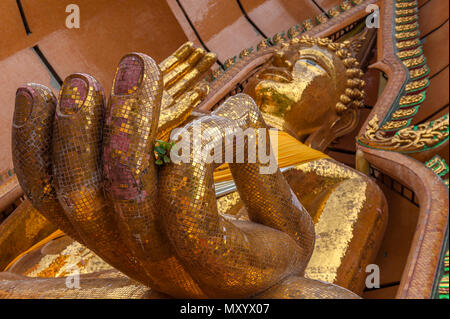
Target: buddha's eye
[314,63]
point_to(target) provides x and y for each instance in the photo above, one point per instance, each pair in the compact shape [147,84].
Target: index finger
[181,69]
[181,54]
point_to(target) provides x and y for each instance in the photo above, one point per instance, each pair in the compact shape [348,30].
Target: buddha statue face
[304,87]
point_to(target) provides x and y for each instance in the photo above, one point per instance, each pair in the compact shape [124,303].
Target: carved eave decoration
[389,128]
[393,131]
[412,139]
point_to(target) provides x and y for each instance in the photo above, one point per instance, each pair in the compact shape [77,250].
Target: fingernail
[23,106]
[196,56]
[73,94]
[184,51]
[128,75]
[206,63]
[203,90]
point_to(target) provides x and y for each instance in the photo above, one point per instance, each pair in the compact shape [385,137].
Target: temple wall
[108,30]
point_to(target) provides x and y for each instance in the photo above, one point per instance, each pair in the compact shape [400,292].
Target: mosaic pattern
[161,228]
[101,285]
[77,170]
[246,262]
[130,173]
[182,89]
[322,186]
[31,134]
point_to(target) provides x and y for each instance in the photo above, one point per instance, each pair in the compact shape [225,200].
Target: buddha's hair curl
[353,96]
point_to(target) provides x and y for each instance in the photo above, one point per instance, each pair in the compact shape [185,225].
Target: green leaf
[161,150]
[166,159]
[158,162]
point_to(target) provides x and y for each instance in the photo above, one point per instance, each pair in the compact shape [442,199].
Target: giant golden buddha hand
[249,256]
[58,148]
[88,166]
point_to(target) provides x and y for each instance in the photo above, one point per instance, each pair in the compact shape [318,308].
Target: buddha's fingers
[192,76]
[77,138]
[296,287]
[129,135]
[181,69]
[130,172]
[225,259]
[180,55]
[267,195]
[185,92]
[175,115]
[31,152]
